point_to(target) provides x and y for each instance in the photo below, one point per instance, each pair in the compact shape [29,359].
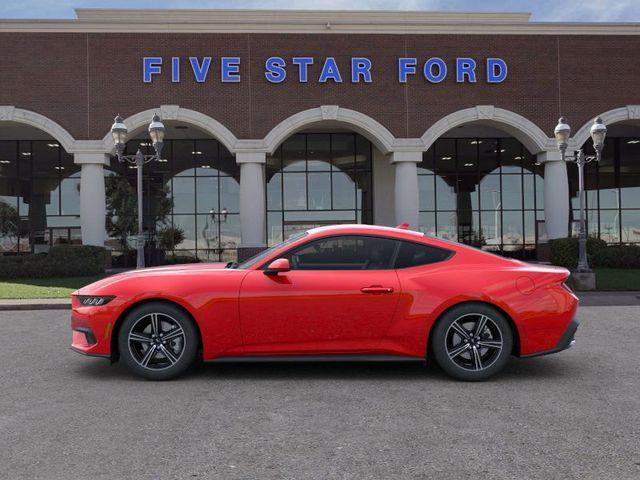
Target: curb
[35,304]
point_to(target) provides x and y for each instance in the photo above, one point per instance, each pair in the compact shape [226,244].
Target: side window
[414,254]
[344,253]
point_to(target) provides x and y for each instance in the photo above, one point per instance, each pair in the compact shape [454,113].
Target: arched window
[316,179]
[39,196]
[195,189]
[487,192]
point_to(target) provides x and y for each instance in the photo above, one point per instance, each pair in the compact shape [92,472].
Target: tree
[122,209]
[9,221]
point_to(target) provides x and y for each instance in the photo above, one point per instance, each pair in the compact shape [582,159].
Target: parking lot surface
[571,415]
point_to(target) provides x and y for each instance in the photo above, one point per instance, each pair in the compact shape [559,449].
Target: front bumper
[91,328]
[567,340]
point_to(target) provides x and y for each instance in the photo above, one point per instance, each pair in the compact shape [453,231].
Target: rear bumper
[567,340]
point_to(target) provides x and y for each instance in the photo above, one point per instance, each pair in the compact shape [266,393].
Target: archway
[320,170]
[612,185]
[39,184]
[481,185]
[191,196]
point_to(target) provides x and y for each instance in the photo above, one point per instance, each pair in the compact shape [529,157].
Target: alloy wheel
[474,341]
[156,341]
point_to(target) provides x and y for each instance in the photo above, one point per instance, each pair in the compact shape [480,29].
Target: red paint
[245,312]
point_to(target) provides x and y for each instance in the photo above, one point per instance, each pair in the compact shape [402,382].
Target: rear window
[415,254]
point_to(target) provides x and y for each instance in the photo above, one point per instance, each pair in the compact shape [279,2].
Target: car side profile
[349,292]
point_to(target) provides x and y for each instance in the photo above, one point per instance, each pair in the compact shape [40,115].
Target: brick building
[282,120]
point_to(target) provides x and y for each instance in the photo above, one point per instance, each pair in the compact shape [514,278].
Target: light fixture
[476,142]
[222,216]
[447,158]
[4,162]
[53,145]
[562,133]
[468,164]
[25,154]
[156,132]
[58,168]
[598,134]
[196,152]
[517,158]
[119,133]
[633,142]
[205,166]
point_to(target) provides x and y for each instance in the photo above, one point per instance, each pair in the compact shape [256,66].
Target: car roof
[363,229]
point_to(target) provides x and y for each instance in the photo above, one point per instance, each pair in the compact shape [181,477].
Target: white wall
[383,190]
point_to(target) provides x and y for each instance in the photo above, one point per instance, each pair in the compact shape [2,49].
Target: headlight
[87,300]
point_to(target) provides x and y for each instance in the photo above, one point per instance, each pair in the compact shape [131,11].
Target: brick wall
[82,80]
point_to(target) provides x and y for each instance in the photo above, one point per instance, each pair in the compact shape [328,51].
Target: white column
[92,197]
[406,187]
[556,194]
[252,198]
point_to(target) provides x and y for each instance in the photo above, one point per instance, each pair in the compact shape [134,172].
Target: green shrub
[61,261]
[564,251]
[617,256]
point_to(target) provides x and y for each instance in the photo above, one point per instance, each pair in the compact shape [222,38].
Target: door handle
[376,289]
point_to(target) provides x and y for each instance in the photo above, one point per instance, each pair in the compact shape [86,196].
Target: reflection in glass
[201,178]
[318,179]
[495,202]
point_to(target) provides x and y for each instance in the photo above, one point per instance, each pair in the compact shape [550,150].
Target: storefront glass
[316,179]
[486,192]
[39,196]
[194,189]
[612,192]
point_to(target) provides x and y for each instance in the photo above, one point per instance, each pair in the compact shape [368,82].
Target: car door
[339,297]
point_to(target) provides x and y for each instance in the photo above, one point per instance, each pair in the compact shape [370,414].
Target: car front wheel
[472,342]
[158,341]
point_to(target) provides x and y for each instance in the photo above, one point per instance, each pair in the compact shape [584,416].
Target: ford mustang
[350,292]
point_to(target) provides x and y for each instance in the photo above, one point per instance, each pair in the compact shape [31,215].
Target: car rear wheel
[472,342]
[158,341]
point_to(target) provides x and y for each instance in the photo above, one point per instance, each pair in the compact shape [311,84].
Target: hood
[146,272]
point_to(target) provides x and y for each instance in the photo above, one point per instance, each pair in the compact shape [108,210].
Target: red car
[341,292]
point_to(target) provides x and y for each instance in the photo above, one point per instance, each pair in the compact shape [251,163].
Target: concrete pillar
[556,194]
[252,203]
[406,187]
[92,197]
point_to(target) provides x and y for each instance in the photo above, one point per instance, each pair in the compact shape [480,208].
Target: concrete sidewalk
[587,299]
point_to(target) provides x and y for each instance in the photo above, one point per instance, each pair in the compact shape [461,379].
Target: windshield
[264,254]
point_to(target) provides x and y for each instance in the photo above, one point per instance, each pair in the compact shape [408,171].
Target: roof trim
[311,21]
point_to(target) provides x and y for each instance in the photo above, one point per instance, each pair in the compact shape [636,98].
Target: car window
[414,254]
[349,252]
[250,262]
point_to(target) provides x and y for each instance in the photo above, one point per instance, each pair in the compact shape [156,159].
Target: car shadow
[516,369]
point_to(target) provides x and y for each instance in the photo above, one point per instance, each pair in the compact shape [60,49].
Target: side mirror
[279,265]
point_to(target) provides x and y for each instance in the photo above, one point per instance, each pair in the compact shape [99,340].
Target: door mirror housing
[279,265]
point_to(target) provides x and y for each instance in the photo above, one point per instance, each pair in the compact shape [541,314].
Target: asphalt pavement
[571,415]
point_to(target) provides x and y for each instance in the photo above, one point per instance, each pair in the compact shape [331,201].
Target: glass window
[318,179]
[413,254]
[195,188]
[344,253]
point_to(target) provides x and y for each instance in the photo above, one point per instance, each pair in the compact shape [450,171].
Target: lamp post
[119,133]
[562,133]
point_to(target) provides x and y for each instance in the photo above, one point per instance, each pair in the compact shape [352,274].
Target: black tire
[158,352]
[465,353]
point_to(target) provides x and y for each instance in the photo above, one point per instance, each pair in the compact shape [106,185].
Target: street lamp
[598,133]
[119,133]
